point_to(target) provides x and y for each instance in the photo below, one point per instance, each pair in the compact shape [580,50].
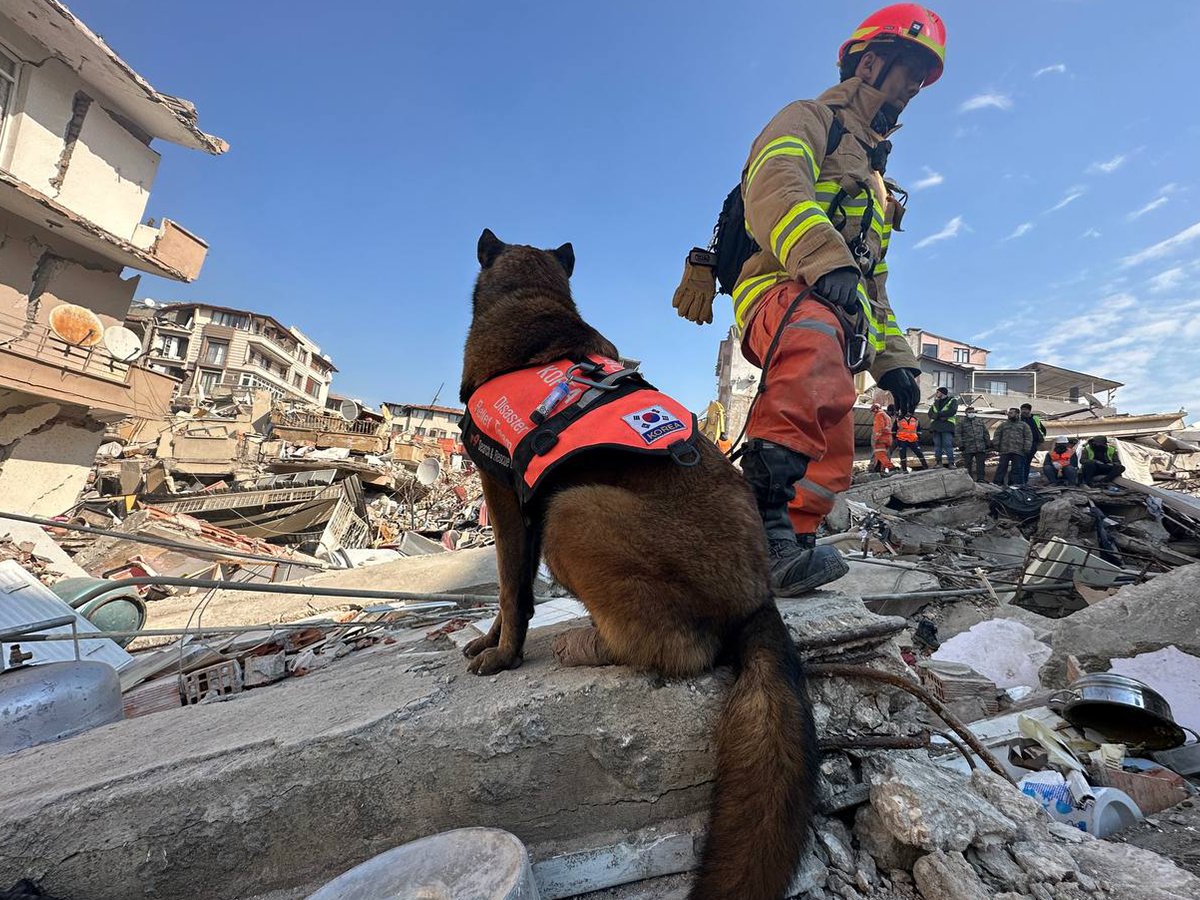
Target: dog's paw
[493,660]
[477,646]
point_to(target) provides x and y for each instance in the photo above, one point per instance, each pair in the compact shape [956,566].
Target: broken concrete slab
[1004,550]
[896,577]
[912,538]
[388,750]
[952,515]
[914,488]
[1137,619]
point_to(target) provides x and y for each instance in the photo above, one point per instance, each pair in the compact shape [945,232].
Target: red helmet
[902,22]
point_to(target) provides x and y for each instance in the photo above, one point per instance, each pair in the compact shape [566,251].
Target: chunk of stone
[996,862]
[1137,619]
[836,840]
[947,876]
[932,808]
[1043,861]
[1017,806]
[1131,873]
[930,487]
[880,844]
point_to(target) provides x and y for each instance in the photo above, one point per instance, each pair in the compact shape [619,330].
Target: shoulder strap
[836,131]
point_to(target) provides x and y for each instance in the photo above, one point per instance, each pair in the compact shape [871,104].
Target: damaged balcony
[34,359]
[168,250]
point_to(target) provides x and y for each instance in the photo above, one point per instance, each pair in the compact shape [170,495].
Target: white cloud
[1091,233]
[951,230]
[1164,248]
[1056,69]
[1168,280]
[990,99]
[1108,166]
[1149,207]
[1072,195]
[931,179]
[1020,231]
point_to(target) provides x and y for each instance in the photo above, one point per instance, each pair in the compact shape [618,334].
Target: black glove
[904,389]
[840,287]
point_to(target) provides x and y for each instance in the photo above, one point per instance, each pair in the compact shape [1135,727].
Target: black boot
[772,472]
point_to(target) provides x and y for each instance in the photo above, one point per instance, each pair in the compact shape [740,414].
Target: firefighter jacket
[1014,437]
[971,435]
[881,431]
[807,211]
[942,414]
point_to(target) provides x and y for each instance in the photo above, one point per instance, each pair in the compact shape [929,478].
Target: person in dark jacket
[1037,431]
[1100,462]
[974,443]
[1013,438]
[943,412]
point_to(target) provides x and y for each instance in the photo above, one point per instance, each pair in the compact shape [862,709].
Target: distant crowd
[1017,440]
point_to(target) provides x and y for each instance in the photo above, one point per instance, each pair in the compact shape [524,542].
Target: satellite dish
[150,303]
[428,471]
[350,410]
[76,325]
[1091,399]
[122,344]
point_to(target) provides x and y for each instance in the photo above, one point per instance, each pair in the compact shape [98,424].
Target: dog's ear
[490,247]
[566,256]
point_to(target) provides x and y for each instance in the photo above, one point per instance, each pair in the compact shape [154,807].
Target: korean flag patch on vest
[653,423]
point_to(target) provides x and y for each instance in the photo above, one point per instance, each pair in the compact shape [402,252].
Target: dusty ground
[1175,833]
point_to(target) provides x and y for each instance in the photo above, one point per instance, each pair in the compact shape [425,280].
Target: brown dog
[670,561]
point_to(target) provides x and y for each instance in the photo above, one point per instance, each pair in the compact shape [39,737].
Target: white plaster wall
[110,175]
[111,172]
[46,453]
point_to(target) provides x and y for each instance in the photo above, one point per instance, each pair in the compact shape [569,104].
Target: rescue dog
[671,563]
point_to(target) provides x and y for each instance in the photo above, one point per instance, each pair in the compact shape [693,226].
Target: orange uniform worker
[881,439]
[823,218]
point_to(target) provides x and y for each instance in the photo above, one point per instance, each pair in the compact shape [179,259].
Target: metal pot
[1123,710]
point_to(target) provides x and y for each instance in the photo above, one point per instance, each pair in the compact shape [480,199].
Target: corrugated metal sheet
[24,599]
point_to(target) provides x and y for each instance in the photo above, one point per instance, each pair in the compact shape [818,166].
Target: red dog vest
[519,426]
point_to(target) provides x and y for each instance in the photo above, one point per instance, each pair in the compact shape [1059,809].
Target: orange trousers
[884,458]
[808,404]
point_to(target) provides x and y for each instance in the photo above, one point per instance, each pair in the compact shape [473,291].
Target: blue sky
[1053,211]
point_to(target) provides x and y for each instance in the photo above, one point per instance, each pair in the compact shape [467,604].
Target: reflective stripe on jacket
[907,430]
[788,186]
[942,414]
[1060,460]
[1089,454]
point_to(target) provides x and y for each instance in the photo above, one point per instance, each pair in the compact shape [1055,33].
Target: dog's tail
[766,769]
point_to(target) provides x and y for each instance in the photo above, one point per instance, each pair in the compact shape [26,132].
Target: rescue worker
[814,294]
[1013,438]
[1058,467]
[1037,432]
[881,440]
[943,416]
[974,442]
[908,439]
[1100,461]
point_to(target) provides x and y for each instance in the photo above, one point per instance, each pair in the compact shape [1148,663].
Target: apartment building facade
[217,352]
[77,164]
[425,420]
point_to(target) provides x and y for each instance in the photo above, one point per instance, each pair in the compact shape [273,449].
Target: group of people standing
[1017,440]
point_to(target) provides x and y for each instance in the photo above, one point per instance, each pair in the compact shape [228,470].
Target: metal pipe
[834,670]
[959,592]
[916,741]
[211,630]
[294,589]
[158,542]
